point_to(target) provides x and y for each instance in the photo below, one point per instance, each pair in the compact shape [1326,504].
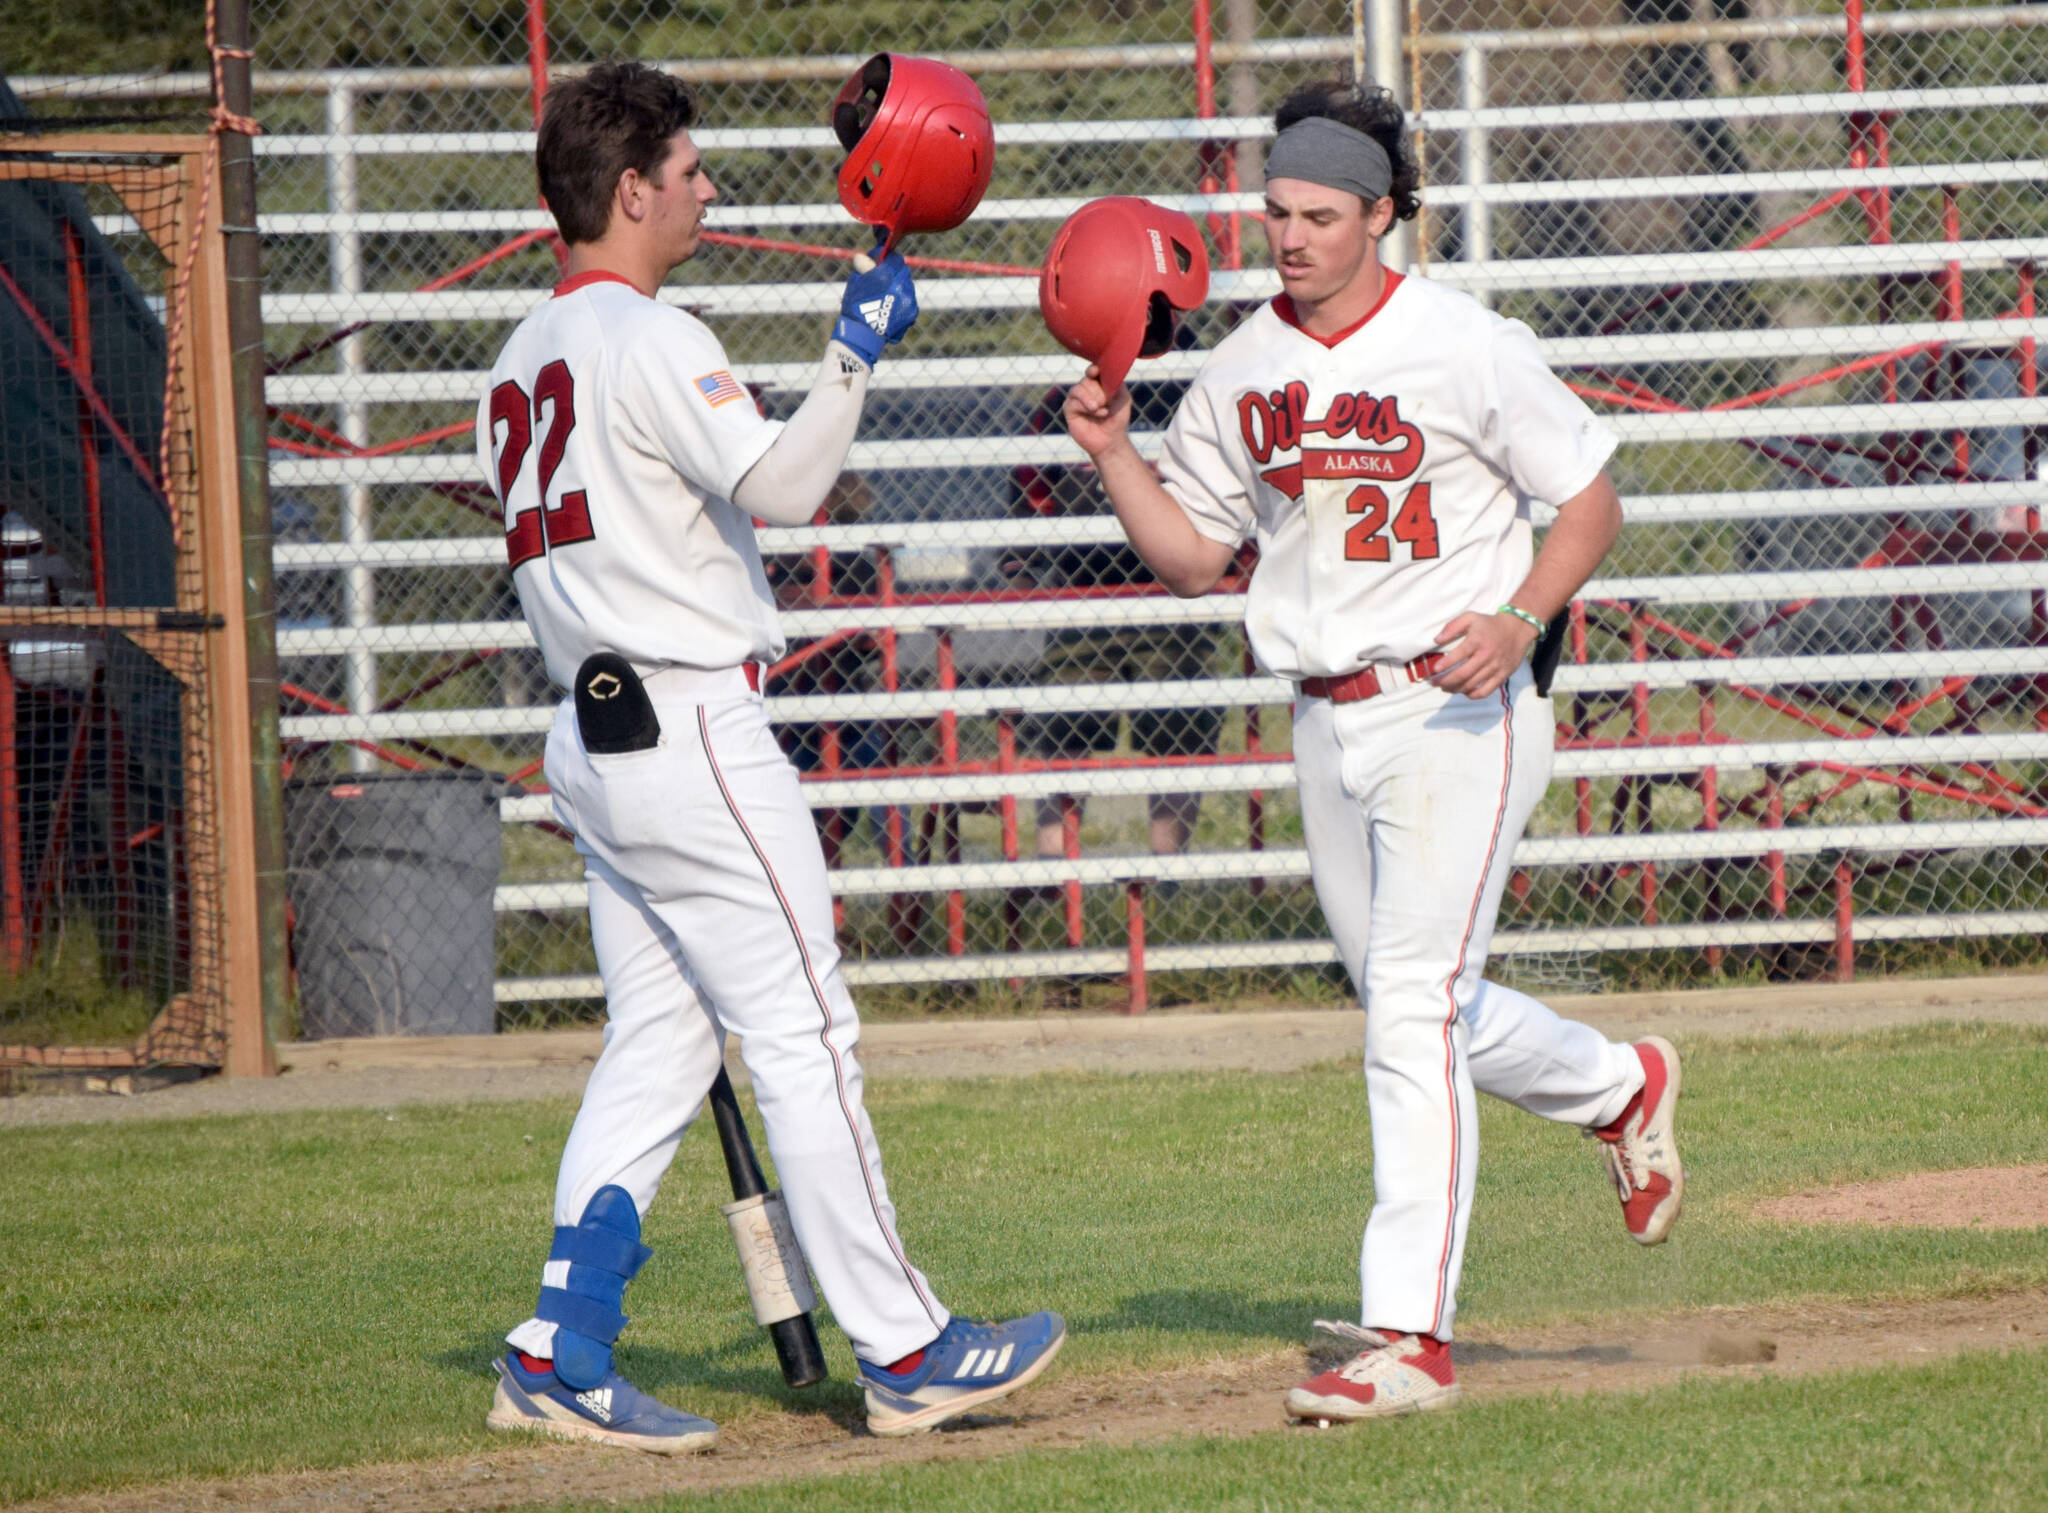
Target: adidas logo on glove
[876,313]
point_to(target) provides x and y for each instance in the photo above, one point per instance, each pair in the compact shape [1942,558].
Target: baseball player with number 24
[1382,437]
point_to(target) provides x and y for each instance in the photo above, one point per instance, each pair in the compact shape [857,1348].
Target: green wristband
[1524,616]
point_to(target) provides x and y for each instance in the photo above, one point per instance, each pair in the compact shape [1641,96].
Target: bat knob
[862,263]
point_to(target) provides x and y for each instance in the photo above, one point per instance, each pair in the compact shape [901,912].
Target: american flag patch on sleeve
[719,387]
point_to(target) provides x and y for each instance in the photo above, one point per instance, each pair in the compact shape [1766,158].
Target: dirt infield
[1222,1399]
[375,1073]
[1985,1197]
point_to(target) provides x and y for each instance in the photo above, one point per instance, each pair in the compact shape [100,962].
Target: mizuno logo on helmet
[876,313]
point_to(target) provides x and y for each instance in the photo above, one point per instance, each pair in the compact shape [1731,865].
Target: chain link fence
[1804,715]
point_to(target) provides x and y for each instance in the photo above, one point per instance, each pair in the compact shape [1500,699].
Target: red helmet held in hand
[1115,278]
[919,144]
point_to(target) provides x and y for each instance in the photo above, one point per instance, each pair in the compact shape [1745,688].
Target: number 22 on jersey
[539,527]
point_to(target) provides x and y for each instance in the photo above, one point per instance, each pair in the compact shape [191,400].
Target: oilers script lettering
[1389,449]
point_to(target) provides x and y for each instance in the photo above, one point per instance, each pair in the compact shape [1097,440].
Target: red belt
[1365,683]
[753,672]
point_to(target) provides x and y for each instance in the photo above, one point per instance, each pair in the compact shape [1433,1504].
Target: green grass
[219,1296]
[69,993]
[1965,1434]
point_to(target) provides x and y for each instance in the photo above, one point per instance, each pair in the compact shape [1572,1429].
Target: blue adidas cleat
[614,1412]
[968,1365]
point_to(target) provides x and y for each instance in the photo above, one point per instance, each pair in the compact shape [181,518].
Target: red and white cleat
[1394,1373]
[1642,1147]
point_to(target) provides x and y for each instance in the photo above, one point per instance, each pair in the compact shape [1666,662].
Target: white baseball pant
[710,912]
[1411,804]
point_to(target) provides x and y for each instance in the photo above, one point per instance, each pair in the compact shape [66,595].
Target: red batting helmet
[1117,272]
[919,145]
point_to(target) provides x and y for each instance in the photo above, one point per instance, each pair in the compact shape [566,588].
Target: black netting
[110,835]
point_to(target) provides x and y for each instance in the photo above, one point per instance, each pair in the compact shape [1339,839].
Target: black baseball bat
[1549,647]
[796,1340]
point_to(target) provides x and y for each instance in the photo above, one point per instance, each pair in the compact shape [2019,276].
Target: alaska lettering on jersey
[1276,422]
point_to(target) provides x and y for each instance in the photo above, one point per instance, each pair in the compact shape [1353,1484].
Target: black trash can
[391,883]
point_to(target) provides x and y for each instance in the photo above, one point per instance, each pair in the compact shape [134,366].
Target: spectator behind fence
[1111,653]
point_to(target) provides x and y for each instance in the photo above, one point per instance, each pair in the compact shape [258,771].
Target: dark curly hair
[1373,111]
[620,115]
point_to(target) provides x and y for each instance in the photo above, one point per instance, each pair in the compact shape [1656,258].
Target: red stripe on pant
[824,1008]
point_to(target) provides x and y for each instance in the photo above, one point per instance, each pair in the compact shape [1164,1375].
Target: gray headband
[1322,151]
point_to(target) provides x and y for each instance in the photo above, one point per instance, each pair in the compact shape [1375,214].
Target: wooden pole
[260,966]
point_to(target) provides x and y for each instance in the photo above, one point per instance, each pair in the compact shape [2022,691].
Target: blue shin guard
[604,1253]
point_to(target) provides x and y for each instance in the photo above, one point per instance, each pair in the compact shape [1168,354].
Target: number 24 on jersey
[1415,524]
[531,531]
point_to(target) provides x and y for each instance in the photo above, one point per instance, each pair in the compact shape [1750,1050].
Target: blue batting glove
[878,308]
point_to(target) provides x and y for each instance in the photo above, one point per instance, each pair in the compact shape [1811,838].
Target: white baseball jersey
[1387,471]
[614,434]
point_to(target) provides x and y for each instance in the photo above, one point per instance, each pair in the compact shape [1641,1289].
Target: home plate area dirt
[1227,1398]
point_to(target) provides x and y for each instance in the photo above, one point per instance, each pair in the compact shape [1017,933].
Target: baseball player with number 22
[628,460]
[1382,437]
